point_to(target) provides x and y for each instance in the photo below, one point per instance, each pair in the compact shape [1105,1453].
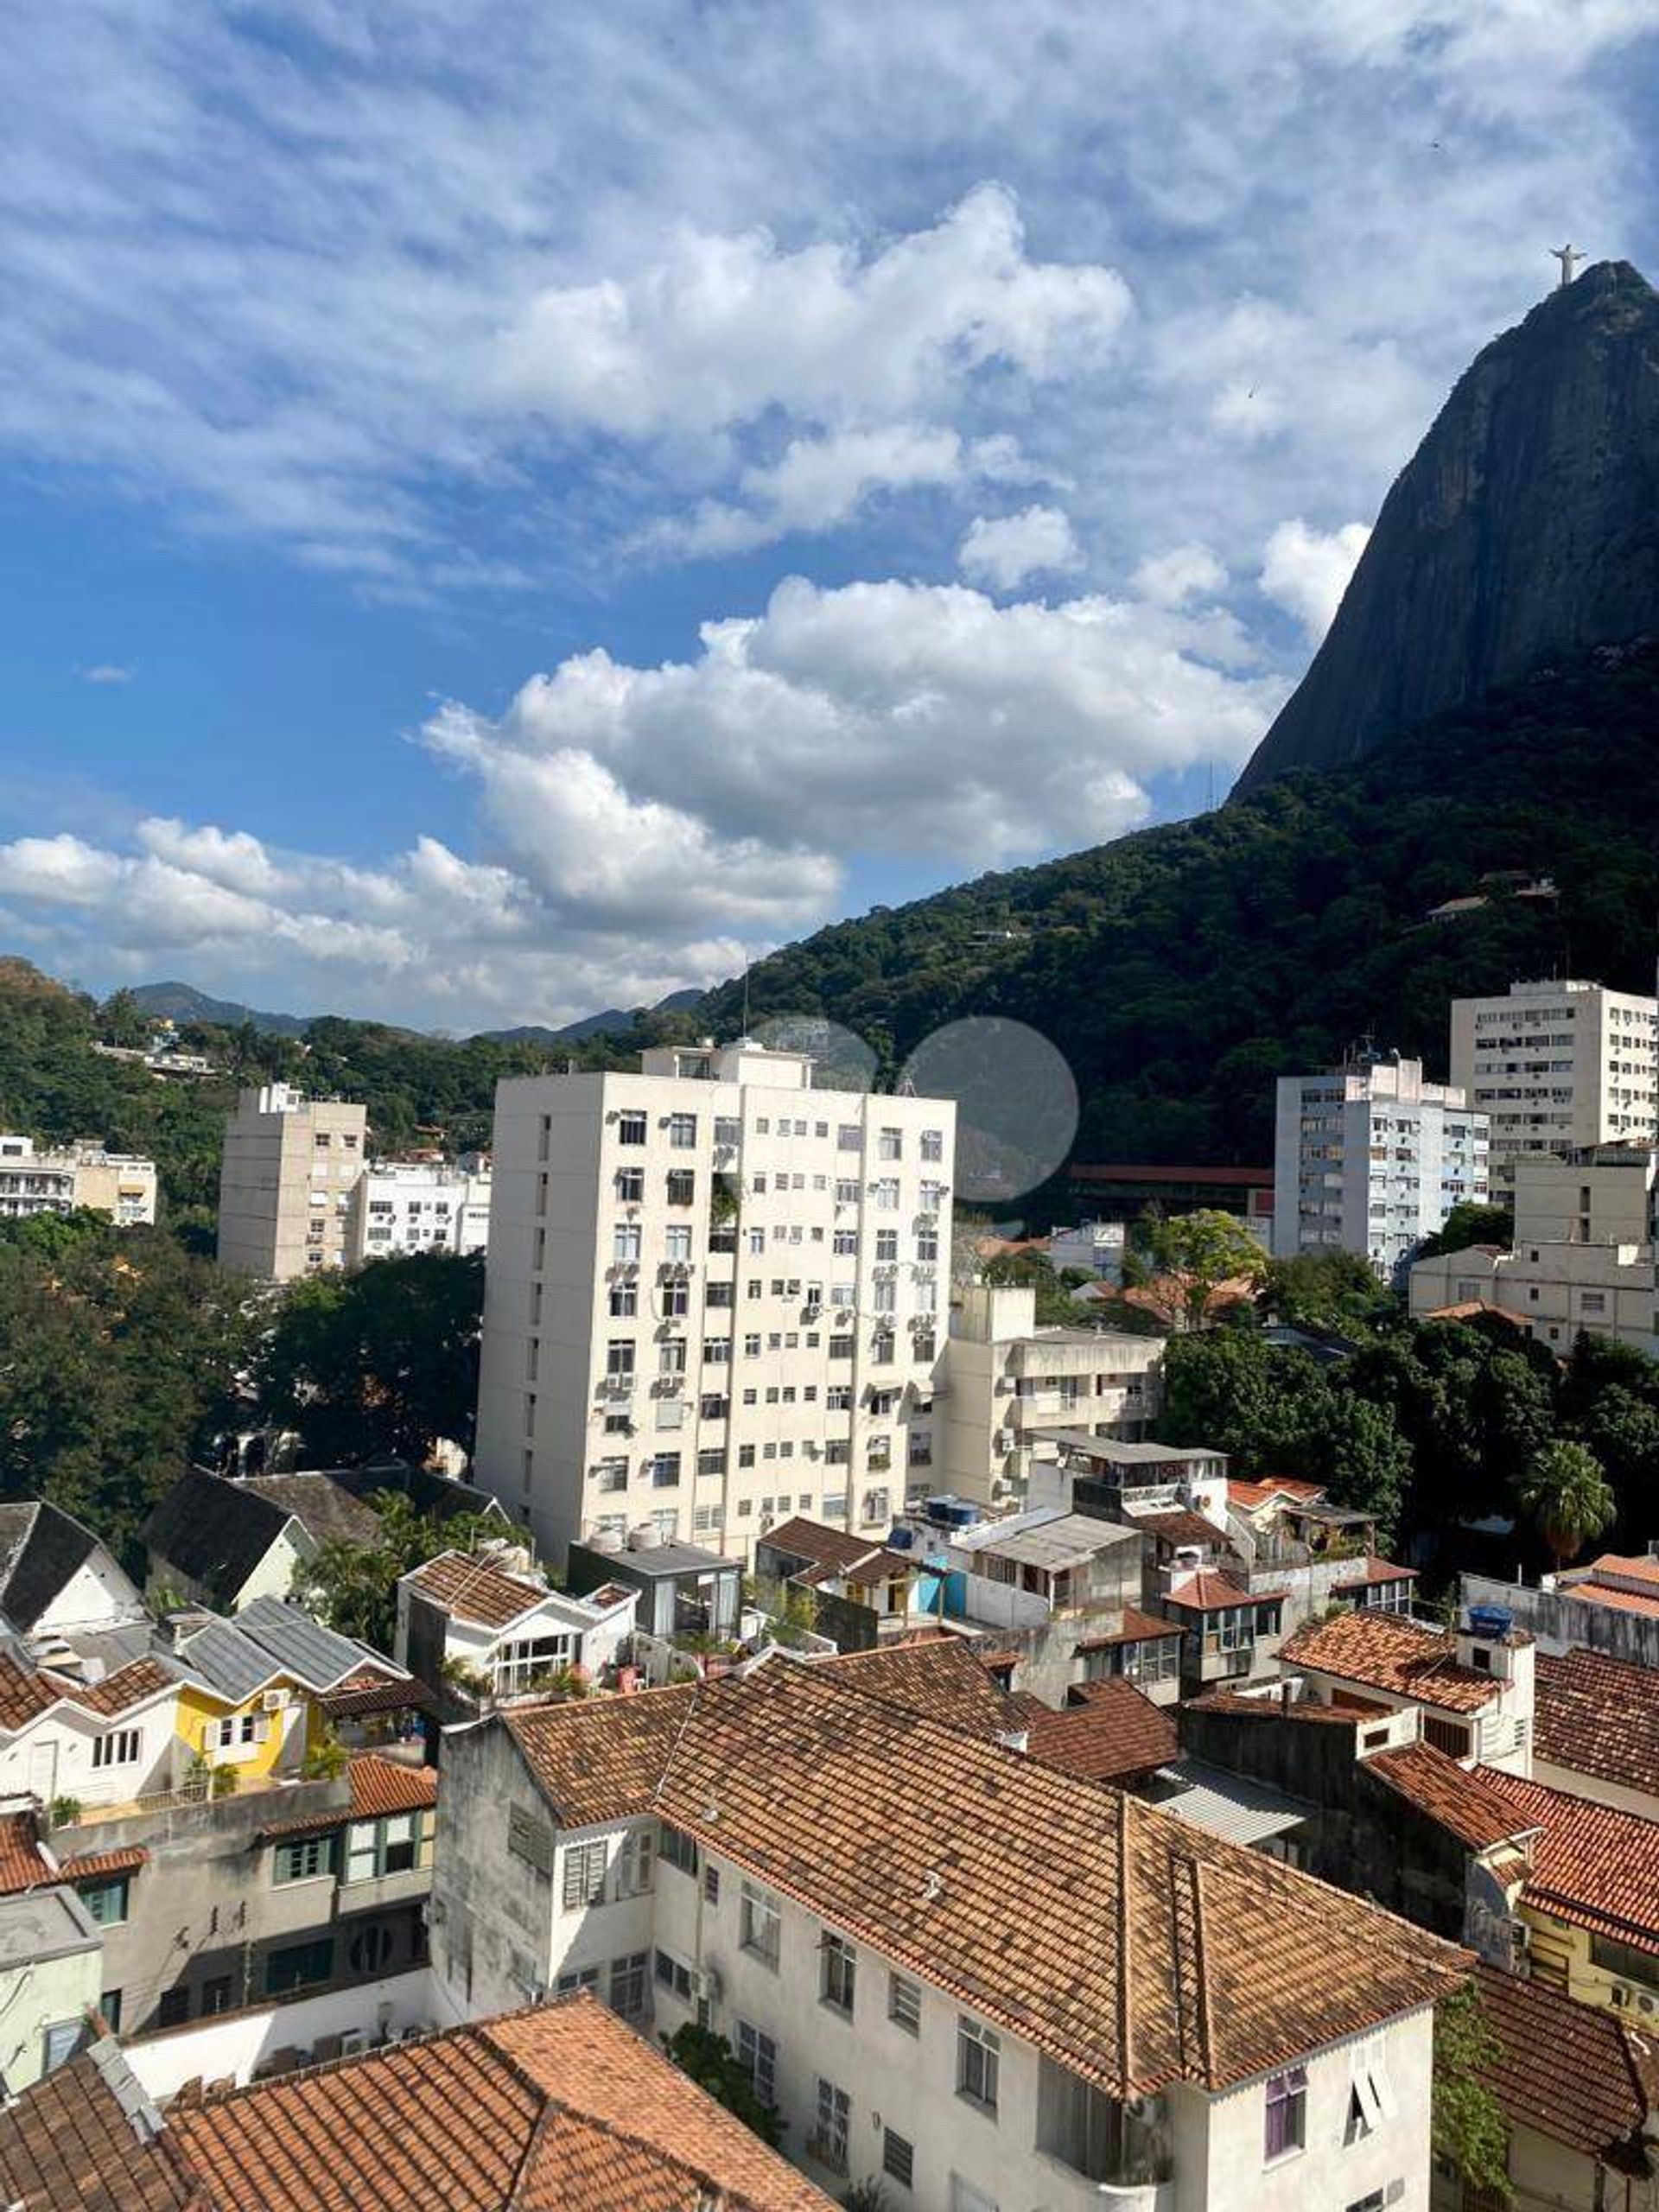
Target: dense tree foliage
[382,1361]
[1466,1224]
[1334,1291]
[118,1354]
[1429,1424]
[1186,1264]
[1056,1306]
[1468,2130]
[1182,969]
[1564,1493]
[353,1587]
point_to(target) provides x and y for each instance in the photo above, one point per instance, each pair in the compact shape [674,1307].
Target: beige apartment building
[715,1297]
[1003,1379]
[290,1166]
[1579,1259]
[1557,1066]
[82,1178]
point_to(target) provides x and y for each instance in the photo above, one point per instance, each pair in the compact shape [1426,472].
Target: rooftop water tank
[1490,1623]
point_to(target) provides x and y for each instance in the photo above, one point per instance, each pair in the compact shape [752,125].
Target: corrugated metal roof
[226,1661]
[1231,1805]
[299,1644]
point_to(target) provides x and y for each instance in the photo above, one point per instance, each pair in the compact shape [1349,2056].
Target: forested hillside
[1182,968]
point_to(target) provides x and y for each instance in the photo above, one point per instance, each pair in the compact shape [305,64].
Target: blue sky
[506,509]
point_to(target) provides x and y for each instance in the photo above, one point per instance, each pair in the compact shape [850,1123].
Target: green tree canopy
[1467,2127]
[1328,1290]
[353,1587]
[1469,1223]
[118,1354]
[1188,1259]
[383,1361]
[1564,1493]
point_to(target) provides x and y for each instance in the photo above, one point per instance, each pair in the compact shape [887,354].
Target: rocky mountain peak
[1526,525]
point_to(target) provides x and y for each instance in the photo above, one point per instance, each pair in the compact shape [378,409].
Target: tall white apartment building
[715,1297]
[285,1182]
[400,1206]
[1370,1158]
[1559,1066]
[81,1179]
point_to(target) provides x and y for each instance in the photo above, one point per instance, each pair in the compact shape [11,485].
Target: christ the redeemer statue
[1569,257]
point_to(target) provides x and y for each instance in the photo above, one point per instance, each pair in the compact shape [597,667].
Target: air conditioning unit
[352,2041]
[1520,1938]
[705,1986]
[273,1700]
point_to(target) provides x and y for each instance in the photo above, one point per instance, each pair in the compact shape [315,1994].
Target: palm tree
[1564,1493]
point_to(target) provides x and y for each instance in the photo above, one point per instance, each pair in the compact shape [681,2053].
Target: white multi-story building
[1557,1066]
[285,1182]
[82,1178]
[715,1297]
[1370,1158]
[949,1966]
[1003,1380]
[1579,1259]
[417,1206]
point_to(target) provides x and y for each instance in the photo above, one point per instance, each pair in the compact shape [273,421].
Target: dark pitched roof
[1137,1951]
[1600,1717]
[835,1550]
[1113,1734]
[328,1510]
[42,1549]
[1571,2071]
[435,1497]
[214,1532]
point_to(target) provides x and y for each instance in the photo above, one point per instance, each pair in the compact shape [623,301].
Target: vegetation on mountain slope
[1181,969]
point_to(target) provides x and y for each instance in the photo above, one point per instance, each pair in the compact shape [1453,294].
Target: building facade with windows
[1370,1158]
[1003,1378]
[1556,1067]
[1579,1258]
[417,1206]
[715,1297]
[702,1855]
[83,1179]
[285,1182]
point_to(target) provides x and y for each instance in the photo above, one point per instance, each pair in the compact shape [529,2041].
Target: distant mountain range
[183,1002]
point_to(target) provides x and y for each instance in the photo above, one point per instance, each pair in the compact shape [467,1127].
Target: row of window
[632,1128]
[394,1844]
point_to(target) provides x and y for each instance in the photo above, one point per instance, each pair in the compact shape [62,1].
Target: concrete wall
[204,1908]
[1558,1622]
[56,1987]
[238,2047]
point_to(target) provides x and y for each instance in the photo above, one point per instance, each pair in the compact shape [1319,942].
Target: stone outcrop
[1526,525]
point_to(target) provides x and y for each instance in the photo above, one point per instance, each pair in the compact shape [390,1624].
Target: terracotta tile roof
[942,1679]
[1623,1601]
[1251,1494]
[1592,1864]
[22,1866]
[475,1589]
[1182,1527]
[1142,1951]
[1138,1628]
[835,1549]
[27,1692]
[1600,1717]
[1389,1653]
[1641,1568]
[67,2145]
[601,1758]
[1372,1570]
[1275,1708]
[564,2110]
[370,1691]
[379,1787]
[1208,1591]
[127,1687]
[1571,2071]
[95,1866]
[1462,1802]
[1114,1733]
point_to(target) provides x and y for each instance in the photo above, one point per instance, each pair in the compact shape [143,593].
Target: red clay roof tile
[1387,1652]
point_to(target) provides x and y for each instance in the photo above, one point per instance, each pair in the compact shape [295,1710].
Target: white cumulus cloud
[1306,571]
[1003,550]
